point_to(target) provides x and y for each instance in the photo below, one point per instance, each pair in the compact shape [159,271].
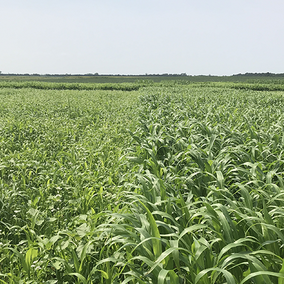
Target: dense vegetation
[168,183]
[96,78]
[262,85]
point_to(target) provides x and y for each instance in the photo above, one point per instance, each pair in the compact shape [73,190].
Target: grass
[210,171]
[61,155]
[267,78]
[166,184]
[263,85]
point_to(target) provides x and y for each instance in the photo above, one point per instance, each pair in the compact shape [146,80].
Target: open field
[142,182]
[266,78]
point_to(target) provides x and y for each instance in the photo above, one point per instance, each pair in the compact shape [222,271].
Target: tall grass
[61,156]
[260,85]
[183,186]
[71,86]
[206,204]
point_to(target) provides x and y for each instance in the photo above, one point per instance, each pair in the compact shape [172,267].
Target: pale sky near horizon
[217,37]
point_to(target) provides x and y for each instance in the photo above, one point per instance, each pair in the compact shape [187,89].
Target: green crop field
[142,182]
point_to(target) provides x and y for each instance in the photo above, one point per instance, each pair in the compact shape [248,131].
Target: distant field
[141,182]
[158,78]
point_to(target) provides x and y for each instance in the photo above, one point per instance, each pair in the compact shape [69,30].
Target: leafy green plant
[171,183]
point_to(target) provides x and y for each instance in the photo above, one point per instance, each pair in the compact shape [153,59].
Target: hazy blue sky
[220,37]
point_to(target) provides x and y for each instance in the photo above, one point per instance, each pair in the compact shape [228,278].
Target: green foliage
[208,165]
[134,85]
[183,185]
[70,86]
[61,167]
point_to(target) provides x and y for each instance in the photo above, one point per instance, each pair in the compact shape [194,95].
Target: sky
[197,37]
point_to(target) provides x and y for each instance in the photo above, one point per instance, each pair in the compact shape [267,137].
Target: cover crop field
[141,183]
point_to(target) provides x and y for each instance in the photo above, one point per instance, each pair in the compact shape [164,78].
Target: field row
[277,85]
